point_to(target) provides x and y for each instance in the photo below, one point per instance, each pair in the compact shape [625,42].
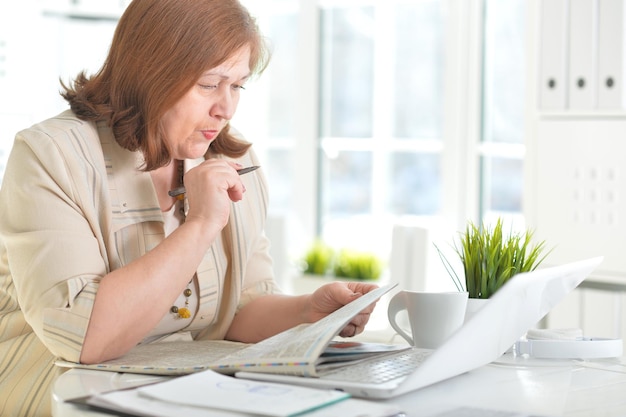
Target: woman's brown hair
[159,50]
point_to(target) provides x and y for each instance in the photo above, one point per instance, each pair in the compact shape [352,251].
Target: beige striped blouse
[73,207]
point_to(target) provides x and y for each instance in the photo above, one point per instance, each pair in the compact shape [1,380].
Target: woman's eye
[215,86]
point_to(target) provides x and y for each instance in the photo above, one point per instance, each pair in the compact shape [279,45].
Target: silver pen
[181,190]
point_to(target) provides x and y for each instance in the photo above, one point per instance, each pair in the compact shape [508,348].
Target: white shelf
[580,115]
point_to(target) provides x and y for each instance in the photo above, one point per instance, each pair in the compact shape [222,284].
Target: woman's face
[198,117]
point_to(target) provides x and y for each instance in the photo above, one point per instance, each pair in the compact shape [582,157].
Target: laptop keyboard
[380,369]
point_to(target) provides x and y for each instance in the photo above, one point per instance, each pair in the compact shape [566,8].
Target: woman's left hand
[335,295]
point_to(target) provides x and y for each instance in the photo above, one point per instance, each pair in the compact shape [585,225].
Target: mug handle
[396,305]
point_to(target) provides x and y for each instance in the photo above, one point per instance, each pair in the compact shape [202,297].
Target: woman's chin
[196,152]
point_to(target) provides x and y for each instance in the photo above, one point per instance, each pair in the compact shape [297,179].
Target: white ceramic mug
[433,316]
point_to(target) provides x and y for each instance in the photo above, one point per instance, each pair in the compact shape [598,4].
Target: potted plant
[357,265]
[318,259]
[321,263]
[490,257]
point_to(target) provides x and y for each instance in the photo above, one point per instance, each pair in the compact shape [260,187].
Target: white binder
[553,55]
[582,58]
[611,55]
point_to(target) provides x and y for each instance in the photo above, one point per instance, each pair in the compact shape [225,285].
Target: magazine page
[341,351]
[166,358]
[294,351]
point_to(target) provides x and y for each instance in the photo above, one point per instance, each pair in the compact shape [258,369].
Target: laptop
[514,309]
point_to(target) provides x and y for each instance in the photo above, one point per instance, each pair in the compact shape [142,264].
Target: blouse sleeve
[51,248]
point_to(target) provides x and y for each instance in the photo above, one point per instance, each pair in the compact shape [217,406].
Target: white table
[538,387]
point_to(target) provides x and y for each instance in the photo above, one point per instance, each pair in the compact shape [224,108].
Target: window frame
[462,147]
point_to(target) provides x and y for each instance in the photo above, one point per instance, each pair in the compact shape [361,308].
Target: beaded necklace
[182,312]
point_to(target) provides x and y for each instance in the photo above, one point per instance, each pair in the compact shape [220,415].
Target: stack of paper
[207,394]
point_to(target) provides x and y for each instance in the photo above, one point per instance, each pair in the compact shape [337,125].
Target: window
[396,110]
[502,148]
[381,89]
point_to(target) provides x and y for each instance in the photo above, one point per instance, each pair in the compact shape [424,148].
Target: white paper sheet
[197,395]
[209,389]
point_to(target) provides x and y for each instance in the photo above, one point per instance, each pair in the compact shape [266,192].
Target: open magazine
[302,350]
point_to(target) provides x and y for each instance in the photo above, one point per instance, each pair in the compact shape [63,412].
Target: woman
[96,255]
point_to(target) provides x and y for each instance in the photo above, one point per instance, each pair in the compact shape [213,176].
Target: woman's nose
[225,105]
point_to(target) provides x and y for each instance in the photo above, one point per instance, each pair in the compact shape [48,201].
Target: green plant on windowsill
[357,265]
[490,258]
[318,259]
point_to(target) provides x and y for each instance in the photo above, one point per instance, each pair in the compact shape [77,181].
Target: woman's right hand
[211,187]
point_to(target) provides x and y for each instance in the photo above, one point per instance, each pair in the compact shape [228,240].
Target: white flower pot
[473,305]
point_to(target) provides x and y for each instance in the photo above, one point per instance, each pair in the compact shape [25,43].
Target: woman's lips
[209,134]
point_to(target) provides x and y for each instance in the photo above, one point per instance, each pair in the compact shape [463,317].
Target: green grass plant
[352,264]
[321,259]
[490,258]
[318,259]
